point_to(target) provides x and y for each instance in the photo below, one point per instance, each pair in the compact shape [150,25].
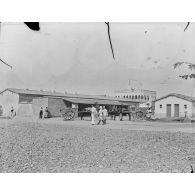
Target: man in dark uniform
[41,113]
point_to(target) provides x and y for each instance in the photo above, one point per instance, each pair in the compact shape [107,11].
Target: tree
[190,66]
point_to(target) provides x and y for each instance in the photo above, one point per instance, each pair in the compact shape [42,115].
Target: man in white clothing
[93,113]
[105,114]
[100,116]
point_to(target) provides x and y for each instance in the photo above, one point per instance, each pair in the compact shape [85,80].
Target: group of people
[43,113]
[98,115]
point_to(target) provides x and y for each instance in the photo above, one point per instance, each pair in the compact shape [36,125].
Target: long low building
[175,105]
[28,102]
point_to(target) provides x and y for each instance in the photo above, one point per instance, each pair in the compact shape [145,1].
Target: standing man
[93,113]
[105,114]
[101,116]
[41,113]
[12,112]
[115,112]
[46,113]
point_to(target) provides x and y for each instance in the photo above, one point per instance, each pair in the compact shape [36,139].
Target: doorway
[176,110]
[169,110]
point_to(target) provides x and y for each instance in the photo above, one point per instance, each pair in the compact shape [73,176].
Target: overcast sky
[76,57]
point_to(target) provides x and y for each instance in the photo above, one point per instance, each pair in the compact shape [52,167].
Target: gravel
[76,146]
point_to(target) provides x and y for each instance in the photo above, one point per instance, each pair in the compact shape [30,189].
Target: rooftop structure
[145,97]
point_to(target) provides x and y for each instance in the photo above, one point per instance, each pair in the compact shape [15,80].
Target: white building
[175,105]
[145,97]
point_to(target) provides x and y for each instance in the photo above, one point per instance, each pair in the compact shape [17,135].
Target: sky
[76,57]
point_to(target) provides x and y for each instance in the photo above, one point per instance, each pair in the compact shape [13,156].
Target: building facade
[28,102]
[175,105]
[145,97]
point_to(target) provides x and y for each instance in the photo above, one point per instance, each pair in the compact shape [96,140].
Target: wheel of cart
[68,114]
[139,114]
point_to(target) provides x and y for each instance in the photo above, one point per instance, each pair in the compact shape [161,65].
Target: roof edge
[8,89]
[178,96]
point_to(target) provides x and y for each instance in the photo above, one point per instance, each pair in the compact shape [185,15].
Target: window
[124,96]
[132,97]
[160,105]
[139,97]
[136,97]
[142,97]
[127,96]
[185,106]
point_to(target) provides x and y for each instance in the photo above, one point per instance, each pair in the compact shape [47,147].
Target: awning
[94,101]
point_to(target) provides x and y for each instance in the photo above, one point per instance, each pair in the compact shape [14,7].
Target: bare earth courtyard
[54,145]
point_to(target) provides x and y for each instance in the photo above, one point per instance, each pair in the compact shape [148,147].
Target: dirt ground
[54,145]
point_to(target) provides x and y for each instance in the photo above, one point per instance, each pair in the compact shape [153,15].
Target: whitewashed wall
[8,100]
[162,112]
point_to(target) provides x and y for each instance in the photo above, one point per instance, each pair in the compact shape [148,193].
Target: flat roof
[94,101]
[65,95]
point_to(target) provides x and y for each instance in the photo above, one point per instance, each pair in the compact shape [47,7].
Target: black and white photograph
[97,97]
[101,97]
